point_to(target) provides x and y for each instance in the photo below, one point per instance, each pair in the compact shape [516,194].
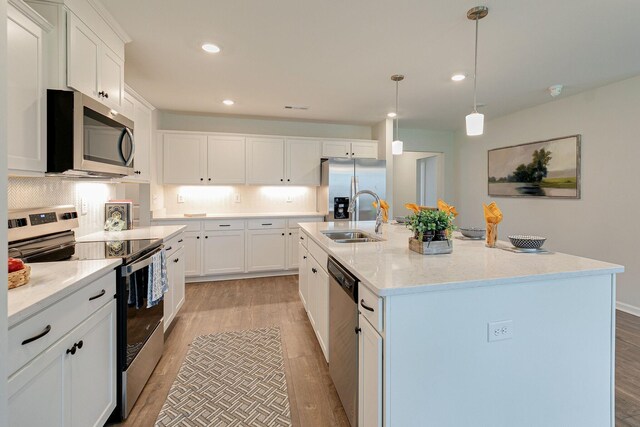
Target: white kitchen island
[479,337]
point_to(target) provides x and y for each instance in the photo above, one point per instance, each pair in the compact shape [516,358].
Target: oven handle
[128,270]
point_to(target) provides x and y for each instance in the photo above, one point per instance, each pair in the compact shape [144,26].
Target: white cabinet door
[322,315]
[128,108]
[178,261]
[223,252]
[266,250]
[303,284]
[369,375]
[93,369]
[293,237]
[83,57]
[37,394]
[302,161]
[312,290]
[110,78]
[26,94]
[193,253]
[336,149]
[226,160]
[185,158]
[142,134]
[168,305]
[364,150]
[265,161]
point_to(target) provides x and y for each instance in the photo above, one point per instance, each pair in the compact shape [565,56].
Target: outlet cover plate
[498,331]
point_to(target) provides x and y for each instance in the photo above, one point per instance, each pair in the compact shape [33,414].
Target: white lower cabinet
[293,239]
[369,375]
[318,303]
[223,252]
[71,383]
[174,297]
[193,253]
[303,285]
[266,249]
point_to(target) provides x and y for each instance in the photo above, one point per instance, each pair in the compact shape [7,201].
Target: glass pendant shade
[396,147]
[475,124]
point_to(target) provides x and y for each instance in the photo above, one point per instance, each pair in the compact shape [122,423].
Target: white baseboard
[628,308]
[196,279]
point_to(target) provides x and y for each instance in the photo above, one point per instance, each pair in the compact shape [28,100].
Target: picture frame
[540,169]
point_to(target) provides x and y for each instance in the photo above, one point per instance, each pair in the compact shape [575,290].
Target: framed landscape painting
[538,169]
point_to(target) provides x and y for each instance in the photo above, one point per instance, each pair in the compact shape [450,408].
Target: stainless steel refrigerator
[342,179]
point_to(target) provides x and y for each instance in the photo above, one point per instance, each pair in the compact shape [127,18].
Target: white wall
[603,224]
[169,120]
[405,180]
[435,142]
[3,211]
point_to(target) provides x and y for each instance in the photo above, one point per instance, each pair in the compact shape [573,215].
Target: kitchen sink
[351,237]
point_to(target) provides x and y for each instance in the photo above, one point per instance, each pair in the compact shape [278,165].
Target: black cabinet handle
[224,225]
[289,234]
[209,179]
[366,307]
[101,94]
[201,179]
[198,237]
[72,350]
[301,238]
[176,260]
[106,95]
[281,179]
[314,270]
[304,257]
[80,344]
[47,329]
[288,179]
[169,248]
[353,154]
[180,241]
[98,296]
[206,237]
[346,154]
[268,224]
[283,234]
[358,330]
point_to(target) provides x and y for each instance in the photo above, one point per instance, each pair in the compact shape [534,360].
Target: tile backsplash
[239,199]
[26,193]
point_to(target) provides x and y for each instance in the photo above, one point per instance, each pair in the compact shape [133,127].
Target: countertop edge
[174,234]
[240,216]
[26,313]
[421,288]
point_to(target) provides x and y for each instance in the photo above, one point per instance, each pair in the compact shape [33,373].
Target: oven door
[136,322]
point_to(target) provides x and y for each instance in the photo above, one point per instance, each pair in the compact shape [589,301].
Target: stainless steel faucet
[352,207]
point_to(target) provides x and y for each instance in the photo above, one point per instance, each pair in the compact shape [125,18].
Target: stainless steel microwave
[86,138]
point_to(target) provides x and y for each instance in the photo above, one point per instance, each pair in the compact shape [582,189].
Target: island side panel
[441,370]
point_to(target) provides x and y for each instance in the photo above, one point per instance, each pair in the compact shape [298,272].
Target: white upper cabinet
[226,160]
[364,149]
[350,149]
[82,57]
[265,161]
[26,91]
[140,111]
[110,78]
[336,149]
[185,158]
[302,161]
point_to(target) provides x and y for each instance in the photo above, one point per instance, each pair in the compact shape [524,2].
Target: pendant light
[475,120]
[397,145]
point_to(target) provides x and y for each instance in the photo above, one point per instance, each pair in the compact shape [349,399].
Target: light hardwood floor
[249,304]
[254,303]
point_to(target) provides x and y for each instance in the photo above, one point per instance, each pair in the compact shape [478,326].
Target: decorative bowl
[401,219]
[473,232]
[527,242]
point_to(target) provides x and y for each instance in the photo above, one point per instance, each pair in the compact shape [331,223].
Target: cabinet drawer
[259,224]
[221,225]
[175,243]
[304,239]
[57,319]
[370,306]
[318,253]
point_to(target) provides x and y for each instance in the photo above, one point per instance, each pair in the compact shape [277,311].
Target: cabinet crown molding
[30,13]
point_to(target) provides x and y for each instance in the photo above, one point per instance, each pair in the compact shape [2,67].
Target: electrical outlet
[498,331]
[237,198]
[84,209]
[289,199]
[180,198]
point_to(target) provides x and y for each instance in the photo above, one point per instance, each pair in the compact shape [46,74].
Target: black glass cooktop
[128,250]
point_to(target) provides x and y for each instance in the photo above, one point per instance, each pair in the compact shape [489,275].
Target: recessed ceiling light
[458,77]
[210,48]
[228,102]
[391,115]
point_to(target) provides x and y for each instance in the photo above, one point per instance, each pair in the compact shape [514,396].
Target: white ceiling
[337,56]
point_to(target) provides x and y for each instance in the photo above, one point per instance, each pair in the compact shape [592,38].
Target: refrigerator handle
[354,190]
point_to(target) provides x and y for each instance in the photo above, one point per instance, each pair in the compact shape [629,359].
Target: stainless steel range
[46,235]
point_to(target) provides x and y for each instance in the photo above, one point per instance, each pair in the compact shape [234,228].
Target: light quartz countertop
[390,268]
[164,232]
[51,282]
[173,217]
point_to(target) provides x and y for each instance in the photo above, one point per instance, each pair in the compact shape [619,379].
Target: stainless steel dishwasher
[343,337]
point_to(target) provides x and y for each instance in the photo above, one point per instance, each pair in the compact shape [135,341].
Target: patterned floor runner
[230,379]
